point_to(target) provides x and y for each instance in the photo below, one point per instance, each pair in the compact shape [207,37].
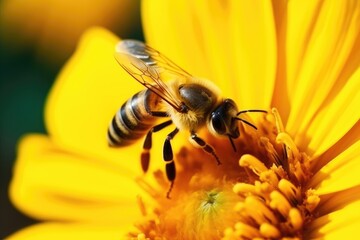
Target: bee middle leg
[169,159]
[206,147]
[145,155]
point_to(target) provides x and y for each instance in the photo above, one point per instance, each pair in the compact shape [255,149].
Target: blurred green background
[36,39]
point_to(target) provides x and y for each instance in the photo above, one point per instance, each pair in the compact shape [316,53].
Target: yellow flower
[296,176]
[53,27]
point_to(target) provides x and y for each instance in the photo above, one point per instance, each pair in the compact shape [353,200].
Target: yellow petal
[213,40]
[254,52]
[72,231]
[340,173]
[280,97]
[350,138]
[341,224]
[161,20]
[53,183]
[301,16]
[326,35]
[318,54]
[335,119]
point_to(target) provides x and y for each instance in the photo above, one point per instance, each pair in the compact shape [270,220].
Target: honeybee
[188,102]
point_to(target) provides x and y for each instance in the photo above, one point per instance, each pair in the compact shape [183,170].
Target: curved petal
[71,231]
[340,173]
[321,38]
[53,183]
[341,224]
[161,21]
[254,52]
[86,95]
[280,98]
[350,138]
[335,119]
[218,44]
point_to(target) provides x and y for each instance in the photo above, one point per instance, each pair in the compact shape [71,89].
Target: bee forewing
[130,63]
[136,49]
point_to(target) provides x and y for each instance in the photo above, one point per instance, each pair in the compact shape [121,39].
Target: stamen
[253,207]
[244,189]
[246,231]
[240,207]
[259,211]
[279,203]
[269,231]
[284,138]
[253,163]
[278,122]
[141,236]
[289,190]
[263,187]
[312,200]
[296,219]
[270,150]
[270,177]
[269,199]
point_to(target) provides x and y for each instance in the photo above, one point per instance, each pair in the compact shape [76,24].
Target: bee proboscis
[188,102]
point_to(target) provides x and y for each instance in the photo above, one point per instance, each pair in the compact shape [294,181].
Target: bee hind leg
[145,155]
[169,159]
[206,147]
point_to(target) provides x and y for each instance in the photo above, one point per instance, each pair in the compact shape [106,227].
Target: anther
[244,189]
[295,218]
[246,231]
[279,202]
[312,200]
[269,231]
[253,163]
[270,177]
[289,190]
[259,211]
[286,139]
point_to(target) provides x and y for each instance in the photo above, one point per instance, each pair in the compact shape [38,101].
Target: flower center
[258,192]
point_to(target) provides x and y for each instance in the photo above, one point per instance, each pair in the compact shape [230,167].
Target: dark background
[25,80]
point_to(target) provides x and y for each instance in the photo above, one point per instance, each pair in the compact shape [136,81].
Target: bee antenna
[232,143]
[251,110]
[248,123]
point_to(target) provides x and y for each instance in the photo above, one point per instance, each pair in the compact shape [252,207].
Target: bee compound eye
[218,124]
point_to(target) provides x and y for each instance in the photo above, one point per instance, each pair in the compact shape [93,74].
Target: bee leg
[145,155]
[169,159]
[206,147]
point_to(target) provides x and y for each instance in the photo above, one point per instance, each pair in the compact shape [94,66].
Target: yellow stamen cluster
[277,205]
[263,197]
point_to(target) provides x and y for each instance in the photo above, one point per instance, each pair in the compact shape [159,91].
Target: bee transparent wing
[150,57]
[149,67]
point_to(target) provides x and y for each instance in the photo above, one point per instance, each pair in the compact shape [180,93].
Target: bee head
[223,120]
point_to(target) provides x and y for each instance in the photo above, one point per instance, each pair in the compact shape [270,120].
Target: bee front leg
[145,155]
[206,147]
[169,159]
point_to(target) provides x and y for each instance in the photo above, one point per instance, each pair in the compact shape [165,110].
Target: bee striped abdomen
[133,120]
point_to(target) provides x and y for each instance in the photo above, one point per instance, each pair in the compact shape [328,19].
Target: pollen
[258,192]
